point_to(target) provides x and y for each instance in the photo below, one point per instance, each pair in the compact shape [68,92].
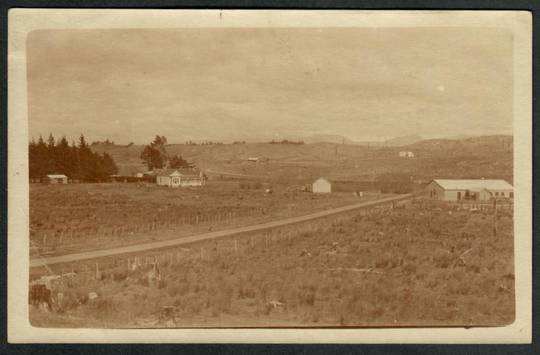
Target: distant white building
[253,159]
[321,186]
[469,190]
[406,154]
[183,177]
[57,179]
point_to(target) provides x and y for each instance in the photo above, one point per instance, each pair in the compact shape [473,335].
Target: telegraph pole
[495,217]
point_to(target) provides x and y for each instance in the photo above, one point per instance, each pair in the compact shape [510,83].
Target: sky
[267,83]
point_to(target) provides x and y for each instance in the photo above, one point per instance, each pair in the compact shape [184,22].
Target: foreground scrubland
[416,265]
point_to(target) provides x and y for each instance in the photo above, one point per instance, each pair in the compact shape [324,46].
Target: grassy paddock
[78,217]
[416,265]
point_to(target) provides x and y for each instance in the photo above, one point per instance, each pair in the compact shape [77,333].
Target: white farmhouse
[183,177]
[321,186]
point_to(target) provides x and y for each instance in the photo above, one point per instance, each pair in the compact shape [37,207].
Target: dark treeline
[203,143]
[76,161]
[285,141]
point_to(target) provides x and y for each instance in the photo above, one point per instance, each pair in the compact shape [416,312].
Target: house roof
[178,172]
[322,179]
[473,184]
[56,176]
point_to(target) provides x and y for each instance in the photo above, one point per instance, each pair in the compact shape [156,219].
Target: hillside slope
[489,157]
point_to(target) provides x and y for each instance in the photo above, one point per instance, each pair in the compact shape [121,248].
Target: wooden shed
[321,186]
[57,179]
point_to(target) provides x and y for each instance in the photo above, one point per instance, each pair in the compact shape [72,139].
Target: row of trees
[76,161]
[203,143]
[155,156]
[285,141]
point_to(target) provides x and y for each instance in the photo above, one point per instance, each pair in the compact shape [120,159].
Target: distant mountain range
[338,139]
[328,138]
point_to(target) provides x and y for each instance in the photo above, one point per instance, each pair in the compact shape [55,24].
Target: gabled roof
[178,172]
[473,184]
[164,172]
[56,176]
[322,179]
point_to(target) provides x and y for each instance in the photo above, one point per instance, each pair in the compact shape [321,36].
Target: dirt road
[94,254]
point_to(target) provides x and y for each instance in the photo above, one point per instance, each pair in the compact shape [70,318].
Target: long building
[469,190]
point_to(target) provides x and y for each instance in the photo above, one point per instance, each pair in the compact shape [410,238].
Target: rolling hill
[488,156]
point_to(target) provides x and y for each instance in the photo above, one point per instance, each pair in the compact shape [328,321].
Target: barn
[182,177]
[57,179]
[469,190]
[321,186]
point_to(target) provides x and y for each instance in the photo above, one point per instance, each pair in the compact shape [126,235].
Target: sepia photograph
[265,176]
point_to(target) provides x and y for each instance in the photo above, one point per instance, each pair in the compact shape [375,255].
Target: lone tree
[155,156]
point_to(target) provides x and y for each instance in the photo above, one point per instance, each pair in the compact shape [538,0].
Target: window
[496,193]
[511,195]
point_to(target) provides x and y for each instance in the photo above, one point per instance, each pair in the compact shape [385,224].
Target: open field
[41,261]
[416,265]
[79,217]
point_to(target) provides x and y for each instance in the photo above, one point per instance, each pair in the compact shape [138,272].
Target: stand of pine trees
[76,161]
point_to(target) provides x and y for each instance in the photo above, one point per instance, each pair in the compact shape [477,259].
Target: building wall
[163,180]
[321,186]
[174,181]
[179,181]
[191,182]
[57,180]
[502,193]
[452,195]
[484,195]
[435,191]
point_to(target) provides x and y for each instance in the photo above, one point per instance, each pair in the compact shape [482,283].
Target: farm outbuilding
[406,154]
[469,190]
[183,177]
[321,186]
[57,179]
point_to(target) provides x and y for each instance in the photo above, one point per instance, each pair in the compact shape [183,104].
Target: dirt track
[37,262]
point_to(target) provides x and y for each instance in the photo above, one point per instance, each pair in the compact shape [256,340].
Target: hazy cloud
[226,84]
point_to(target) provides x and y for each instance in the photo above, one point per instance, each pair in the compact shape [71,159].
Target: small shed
[57,179]
[406,154]
[321,186]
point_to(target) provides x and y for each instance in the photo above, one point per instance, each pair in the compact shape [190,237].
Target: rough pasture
[419,265]
[79,217]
